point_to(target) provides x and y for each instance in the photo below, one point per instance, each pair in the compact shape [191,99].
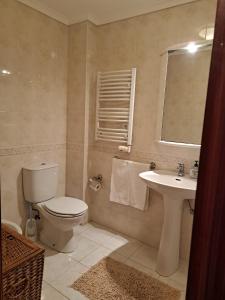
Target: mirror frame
[162,90]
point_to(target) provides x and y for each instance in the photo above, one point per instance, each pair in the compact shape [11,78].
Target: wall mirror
[183,88]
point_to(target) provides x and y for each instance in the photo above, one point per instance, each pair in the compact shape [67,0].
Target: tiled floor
[94,243]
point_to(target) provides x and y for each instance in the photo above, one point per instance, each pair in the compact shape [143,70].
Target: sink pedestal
[168,254]
[174,190]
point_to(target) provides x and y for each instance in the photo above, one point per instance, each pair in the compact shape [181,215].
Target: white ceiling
[98,11]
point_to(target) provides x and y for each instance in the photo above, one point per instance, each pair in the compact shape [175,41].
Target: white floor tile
[56,265]
[49,293]
[74,295]
[63,283]
[170,282]
[99,236]
[105,238]
[95,256]
[181,275]
[141,268]
[96,242]
[118,257]
[85,247]
[82,228]
[130,248]
[146,256]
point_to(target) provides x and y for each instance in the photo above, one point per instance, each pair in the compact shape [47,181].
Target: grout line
[85,267]
[92,240]
[84,229]
[116,233]
[151,269]
[136,250]
[56,289]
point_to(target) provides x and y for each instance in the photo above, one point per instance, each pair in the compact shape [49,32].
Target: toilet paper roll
[124,149]
[94,185]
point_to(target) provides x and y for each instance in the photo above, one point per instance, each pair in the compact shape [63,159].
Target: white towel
[127,188]
[119,182]
[137,187]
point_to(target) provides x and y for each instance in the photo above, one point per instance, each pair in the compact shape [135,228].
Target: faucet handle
[152,165]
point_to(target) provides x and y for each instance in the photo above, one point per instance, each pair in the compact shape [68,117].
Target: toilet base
[61,241]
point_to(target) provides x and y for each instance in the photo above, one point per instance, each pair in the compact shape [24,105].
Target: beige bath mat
[112,280]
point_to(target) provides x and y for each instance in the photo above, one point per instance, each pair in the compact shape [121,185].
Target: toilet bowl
[59,219]
[59,215]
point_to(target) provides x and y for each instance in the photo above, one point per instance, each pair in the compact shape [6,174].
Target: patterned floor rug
[113,280]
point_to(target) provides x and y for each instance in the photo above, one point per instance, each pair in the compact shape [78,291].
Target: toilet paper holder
[98,178]
[96,183]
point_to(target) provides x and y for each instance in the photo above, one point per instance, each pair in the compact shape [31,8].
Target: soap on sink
[194,170]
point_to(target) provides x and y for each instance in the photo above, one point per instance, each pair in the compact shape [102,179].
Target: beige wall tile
[74,173]
[33,47]
[13,205]
[50,99]
[138,42]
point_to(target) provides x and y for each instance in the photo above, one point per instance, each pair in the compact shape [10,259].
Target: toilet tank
[40,182]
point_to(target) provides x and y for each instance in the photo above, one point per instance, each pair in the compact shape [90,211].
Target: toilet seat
[62,215]
[65,207]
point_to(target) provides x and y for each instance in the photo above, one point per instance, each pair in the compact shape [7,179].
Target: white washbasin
[174,190]
[166,182]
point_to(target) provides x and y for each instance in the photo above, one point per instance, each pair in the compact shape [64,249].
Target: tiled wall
[81,87]
[138,42]
[35,113]
[77,57]
[33,47]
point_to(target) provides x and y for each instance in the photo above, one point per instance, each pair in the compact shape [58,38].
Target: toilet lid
[66,206]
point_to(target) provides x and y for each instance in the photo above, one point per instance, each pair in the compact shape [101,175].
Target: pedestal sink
[174,190]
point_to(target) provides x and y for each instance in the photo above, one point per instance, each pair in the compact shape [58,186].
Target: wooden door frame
[206,278]
[1,289]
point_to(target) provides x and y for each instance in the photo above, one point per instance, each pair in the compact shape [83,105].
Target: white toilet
[59,215]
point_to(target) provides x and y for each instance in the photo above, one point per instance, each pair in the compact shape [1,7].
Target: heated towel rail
[115,106]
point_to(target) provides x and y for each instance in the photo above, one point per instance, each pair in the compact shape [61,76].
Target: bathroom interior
[101,116]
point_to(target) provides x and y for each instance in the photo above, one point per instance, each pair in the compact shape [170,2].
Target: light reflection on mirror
[5,72]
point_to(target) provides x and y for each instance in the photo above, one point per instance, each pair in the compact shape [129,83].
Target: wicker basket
[23,263]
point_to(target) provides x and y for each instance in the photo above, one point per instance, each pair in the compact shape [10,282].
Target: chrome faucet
[180,169]
[152,166]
